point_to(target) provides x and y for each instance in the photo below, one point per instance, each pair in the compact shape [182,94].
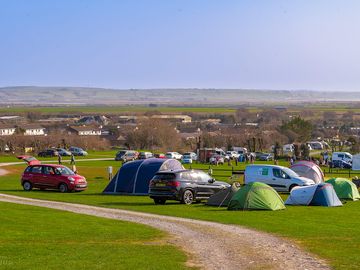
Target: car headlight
[71,179]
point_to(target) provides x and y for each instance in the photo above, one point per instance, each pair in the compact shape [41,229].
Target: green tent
[344,188]
[256,196]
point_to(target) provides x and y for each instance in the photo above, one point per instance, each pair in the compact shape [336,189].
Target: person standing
[72,159]
[59,159]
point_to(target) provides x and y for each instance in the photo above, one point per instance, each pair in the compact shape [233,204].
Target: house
[173,117]
[33,130]
[86,130]
[7,130]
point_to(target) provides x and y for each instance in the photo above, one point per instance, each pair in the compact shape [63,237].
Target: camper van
[240,150]
[288,149]
[342,156]
[278,177]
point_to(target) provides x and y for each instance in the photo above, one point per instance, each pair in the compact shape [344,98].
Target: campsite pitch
[40,238]
[212,245]
[331,233]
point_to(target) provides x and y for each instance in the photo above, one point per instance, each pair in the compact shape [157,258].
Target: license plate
[160,184]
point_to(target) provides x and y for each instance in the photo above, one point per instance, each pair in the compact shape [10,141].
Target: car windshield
[290,172]
[186,156]
[64,171]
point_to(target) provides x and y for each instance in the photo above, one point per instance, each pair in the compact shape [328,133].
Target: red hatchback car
[49,176]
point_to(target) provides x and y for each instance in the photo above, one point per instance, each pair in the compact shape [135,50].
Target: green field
[40,238]
[332,233]
[114,109]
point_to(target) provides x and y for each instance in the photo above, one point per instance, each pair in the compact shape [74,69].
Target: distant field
[68,110]
[114,109]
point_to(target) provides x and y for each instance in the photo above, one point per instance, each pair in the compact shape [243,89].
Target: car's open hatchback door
[29,160]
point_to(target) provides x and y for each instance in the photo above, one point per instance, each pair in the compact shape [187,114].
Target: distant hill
[33,95]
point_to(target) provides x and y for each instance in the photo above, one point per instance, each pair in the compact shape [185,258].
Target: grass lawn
[332,233]
[40,238]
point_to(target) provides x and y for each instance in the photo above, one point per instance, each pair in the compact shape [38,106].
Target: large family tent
[309,170]
[322,194]
[223,197]
[134,177]
[344,188]
[256,196]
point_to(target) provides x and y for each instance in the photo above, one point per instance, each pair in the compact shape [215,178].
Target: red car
[49,176]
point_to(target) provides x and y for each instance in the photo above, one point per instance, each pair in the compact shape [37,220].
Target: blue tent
[322,194]
[134,177]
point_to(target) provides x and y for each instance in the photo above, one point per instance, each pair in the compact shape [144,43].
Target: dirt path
[210,245]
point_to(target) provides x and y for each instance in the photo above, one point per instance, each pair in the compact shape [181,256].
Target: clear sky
[305,44]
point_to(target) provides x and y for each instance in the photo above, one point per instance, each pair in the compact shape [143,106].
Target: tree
[305,152]
[276,151]
[299,126]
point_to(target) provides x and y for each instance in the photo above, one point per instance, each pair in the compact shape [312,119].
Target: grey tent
[223,197]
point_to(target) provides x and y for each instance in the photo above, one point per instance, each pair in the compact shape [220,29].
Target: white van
[342,156]
[278,177]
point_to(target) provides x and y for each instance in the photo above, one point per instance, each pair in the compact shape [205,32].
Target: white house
[33,130]
[7,130]
[86,130]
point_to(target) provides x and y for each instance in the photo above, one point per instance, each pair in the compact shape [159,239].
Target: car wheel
[27,186]
[63,188]
[187,197]
[159,201]
[291,187]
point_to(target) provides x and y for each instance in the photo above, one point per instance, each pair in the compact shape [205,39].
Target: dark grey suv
[185,186]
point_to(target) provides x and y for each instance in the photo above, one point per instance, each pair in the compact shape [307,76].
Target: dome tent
[134,177]
[344,188]
[256,196]
[309,170]
[322,194]
[223,197]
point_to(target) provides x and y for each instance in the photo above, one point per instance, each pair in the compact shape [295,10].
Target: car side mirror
[212,180]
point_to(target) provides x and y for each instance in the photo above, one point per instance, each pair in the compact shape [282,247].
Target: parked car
[159,155]
[186,186]
[174,155]
[217,159]
[46,176]
[347,157]
[126,155]
[266,157]
[341,164]
[63,152]
[258,154]
[186,159]
[77,151]
[278,177]
[48,153]
[192,155]
[145,155]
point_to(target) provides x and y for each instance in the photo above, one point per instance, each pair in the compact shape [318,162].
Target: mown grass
[331,233]
[40,238]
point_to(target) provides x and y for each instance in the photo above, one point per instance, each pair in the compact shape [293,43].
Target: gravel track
[210,245]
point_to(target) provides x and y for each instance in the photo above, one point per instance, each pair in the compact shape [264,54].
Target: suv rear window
[164,176]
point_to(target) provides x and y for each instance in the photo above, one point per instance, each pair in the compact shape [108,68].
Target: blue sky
[265,44]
